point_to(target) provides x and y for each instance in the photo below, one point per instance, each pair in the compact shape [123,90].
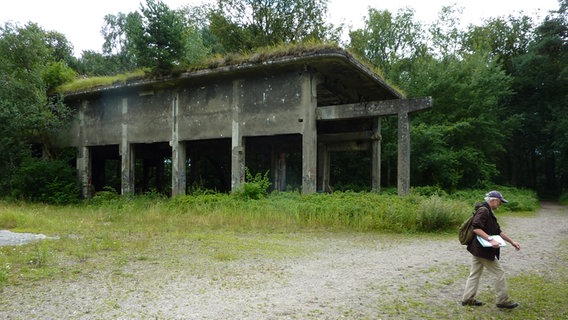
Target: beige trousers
[494,267]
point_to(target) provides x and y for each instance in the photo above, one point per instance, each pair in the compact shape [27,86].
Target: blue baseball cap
[496,194]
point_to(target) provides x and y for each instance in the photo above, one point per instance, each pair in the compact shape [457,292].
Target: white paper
[486,243]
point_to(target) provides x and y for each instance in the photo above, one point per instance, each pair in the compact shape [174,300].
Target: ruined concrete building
[285,113]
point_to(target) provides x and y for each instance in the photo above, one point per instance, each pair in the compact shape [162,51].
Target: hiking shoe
[508,305]
[472,302]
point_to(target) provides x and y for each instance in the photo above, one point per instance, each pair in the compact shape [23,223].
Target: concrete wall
[270,105]
[263,103]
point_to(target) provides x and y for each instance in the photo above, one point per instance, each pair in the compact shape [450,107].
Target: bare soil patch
[350,276]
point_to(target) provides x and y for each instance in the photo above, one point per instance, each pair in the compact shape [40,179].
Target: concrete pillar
[127,154]
[237,144]
[403,184]
[278,163]
[376,155]
[85,172]
[309,133]
[178,152]
[83,164]
[324,164]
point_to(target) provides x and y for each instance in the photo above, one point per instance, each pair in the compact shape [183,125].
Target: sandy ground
[343,276]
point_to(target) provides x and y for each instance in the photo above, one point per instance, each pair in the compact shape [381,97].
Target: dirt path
[343,276]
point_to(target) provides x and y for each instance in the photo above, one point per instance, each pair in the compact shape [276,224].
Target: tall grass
[120,228]
[363,212]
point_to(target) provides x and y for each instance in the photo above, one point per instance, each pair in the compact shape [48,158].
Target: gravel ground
[340,276]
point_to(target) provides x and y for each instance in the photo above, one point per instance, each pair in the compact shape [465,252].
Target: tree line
[500,111]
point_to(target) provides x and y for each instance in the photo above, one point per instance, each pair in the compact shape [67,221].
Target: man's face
[495,203]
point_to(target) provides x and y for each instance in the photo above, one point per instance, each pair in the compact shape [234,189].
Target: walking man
[485,225]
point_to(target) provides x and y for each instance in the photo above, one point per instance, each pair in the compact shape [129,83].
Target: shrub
[8,220]
[48,181]
[519,199]
[563,199]
[255,187]
[438,214]
[107,195]
[429,191]
[57,73]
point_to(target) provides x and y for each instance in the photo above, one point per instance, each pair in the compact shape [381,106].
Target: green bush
[8,220]
[107,195]
[519,199]
[429,191]
[563,199]
[48,181]
[57,73]
[255,187]
[438,214]
[4,272]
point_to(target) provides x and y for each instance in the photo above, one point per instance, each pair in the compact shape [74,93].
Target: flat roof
[344,79]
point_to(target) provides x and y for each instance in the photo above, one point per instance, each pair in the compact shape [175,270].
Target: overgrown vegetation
[255,186]
[47,181]
[121,226]
[100,81]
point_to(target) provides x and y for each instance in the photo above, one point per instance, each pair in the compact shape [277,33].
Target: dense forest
[500,88]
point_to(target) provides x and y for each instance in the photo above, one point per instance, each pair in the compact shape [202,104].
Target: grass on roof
[258,55]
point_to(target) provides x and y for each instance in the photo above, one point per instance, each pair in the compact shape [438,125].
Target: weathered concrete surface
[9,238]
[201,126]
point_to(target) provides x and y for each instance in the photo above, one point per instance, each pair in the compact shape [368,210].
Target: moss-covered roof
[342,75]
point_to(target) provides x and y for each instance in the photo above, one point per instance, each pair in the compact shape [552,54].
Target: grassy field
[110,231]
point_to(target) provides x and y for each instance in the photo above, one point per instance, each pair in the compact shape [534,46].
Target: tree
[470,89]
[388,41]
[504,38]
[539,151]
[156,37]
[241,25]
[118,49]
[160,41]
[446,34]
[199,18]
[29,66]
[458,143]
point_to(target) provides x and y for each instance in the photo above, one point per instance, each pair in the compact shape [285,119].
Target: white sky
[81,20]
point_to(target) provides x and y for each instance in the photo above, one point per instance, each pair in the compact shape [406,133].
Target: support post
[323,167]
[279,169]
[237,145]
[84,169]
[85,172]
[127,154]
[376,155]
[178,152]
[403,184]
[309,134]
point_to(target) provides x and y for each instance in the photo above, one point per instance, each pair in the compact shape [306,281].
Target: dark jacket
[484,219]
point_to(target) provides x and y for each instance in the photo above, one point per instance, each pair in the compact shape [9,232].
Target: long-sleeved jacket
[484,219]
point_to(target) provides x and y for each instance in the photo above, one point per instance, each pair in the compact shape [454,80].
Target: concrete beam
[372,109]
[345,136]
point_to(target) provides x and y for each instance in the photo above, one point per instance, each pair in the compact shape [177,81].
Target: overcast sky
[81,20]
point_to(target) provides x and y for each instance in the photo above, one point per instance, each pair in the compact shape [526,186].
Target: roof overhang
[343,78]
